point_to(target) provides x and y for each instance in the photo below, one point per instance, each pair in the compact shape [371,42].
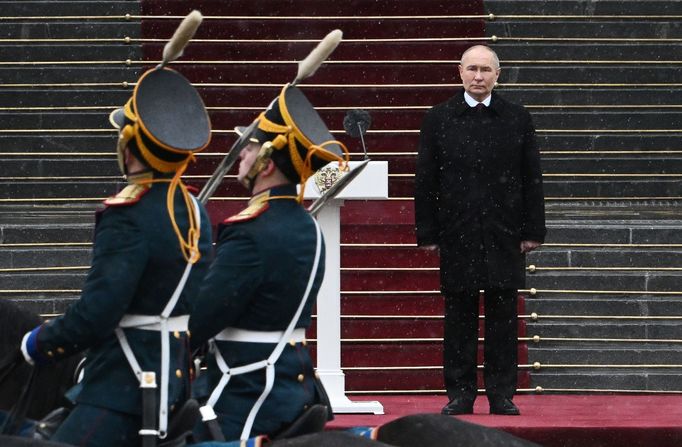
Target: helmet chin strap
[258,166]
[131,176]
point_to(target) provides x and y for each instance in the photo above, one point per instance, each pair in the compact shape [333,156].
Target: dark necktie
[480,107]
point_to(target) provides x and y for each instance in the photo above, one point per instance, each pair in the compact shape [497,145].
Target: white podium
[372,183]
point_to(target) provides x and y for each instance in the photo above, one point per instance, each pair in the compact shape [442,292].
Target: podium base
[341,404]
[335,385]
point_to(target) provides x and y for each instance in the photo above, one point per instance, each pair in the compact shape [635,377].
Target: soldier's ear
[269,168]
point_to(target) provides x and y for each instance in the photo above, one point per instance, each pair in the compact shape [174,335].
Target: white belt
[153,322]
[247,336]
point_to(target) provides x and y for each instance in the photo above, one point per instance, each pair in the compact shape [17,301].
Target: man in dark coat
[151,249]
[479,200]
[256,301]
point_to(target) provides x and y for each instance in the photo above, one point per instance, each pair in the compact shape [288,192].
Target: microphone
[356,122]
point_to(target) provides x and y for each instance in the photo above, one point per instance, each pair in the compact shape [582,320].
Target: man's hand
[528,246]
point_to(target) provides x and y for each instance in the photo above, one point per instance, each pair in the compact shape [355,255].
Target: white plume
[182,36]
[320,53]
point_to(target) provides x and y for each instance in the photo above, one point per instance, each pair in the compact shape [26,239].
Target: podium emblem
[327,176]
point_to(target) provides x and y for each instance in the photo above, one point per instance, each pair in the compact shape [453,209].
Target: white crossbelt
[282,337]
[153,322]
[165,324]
[248,336]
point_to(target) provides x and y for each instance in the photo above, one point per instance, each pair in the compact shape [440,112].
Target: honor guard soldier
[255,303]
[152,247]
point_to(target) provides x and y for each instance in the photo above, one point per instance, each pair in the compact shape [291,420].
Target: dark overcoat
[264,258]
[478,192]
[137,264]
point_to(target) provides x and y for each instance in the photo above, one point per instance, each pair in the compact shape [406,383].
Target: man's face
[478,73]
[246,158]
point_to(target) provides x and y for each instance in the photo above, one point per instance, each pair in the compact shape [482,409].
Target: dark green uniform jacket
[263,262]
[136,265]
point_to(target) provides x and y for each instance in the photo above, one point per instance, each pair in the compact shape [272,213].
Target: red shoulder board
[129,195]
[250,212]
[193,189]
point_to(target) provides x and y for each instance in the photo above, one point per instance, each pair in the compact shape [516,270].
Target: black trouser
[461,343]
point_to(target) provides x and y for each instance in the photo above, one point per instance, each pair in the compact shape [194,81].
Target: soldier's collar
[143,177]
[286,191]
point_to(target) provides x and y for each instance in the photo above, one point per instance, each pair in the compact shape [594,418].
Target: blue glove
[29,347]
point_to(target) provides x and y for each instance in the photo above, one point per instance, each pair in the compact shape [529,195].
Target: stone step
[614,232]
[649,29]
[320,8]
[594,153]
[603,305]
[581,7]
[44,227]
[585,73]
[587,188]
[58,119]
[600,187]
[545,257]
[109,97]
[55,52]
[63,166]
[347,73]
[654,281]
[417,280]
[50,189]
[69,29]
[605,257]
[305,32]
[43,304]
[41,257]
[608,379]
[370,51]
[606,354]
[557,118]
[634,165]
[607,142]
[398,141]
[590,51]
[586,168]
[365,97]
[91,184]
[68,8]
[606,329]
[73,75]
[27,281]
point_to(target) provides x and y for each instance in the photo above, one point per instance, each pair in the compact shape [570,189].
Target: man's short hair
[496,60]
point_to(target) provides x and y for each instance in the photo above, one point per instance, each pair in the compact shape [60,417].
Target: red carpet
[556,420]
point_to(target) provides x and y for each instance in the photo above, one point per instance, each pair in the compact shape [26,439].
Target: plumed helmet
[164,122]
[301,142]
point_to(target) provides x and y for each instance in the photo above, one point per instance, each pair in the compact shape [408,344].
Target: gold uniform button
[305,342]
[178,374]
[300,378]
[176,334]
[50,353]
[292,342]
[60,350]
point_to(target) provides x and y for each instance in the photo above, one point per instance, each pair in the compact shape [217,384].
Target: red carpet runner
[557,420]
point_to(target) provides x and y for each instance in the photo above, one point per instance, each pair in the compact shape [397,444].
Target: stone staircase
[603,309]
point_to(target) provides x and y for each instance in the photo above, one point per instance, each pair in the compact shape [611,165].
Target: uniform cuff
[29,346]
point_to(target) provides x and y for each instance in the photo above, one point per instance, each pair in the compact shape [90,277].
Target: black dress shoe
[458,405]
[504,406]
